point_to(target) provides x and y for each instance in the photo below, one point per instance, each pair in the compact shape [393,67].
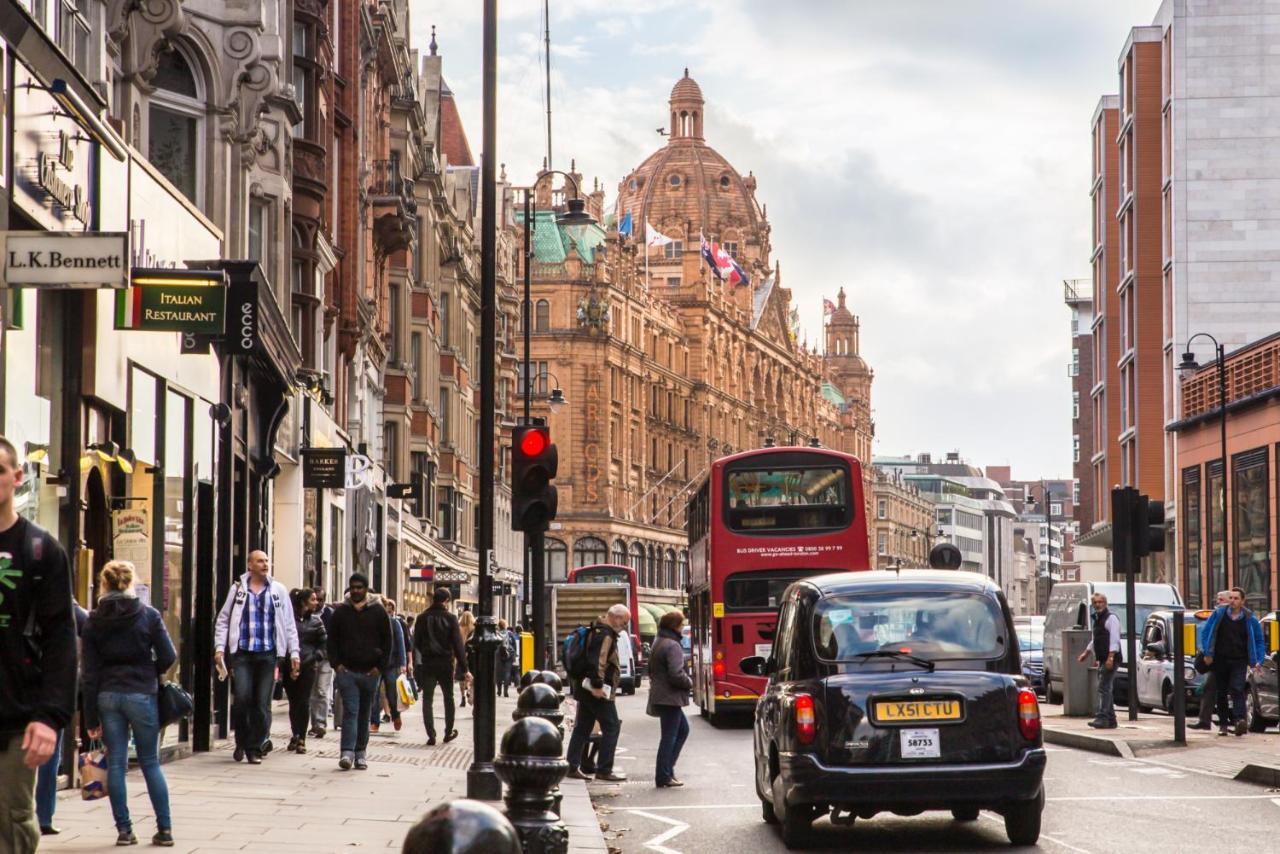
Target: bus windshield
[791,498]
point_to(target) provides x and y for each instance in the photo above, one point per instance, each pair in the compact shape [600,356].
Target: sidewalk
[306,803]
[1253,758]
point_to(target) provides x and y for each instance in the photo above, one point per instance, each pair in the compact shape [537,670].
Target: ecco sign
[40,259]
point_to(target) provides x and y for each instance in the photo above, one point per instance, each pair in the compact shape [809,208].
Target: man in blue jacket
[1232,643]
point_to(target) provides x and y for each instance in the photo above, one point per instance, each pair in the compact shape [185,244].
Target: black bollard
[462,827]
[530,765]
[540,700]
[527,678]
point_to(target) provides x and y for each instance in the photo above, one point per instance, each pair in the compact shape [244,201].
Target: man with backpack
[591,660]
[508,654]
[37,657]
[439,654]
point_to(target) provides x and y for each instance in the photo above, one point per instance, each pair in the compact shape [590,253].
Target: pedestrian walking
[390,673]
[595,674]
[508,654]
[322,691]
[439,652]
[1105,646]
[312,640]
[47,775]
[126,649]
[467,624]
[37,657]
[1209,695]
[359,648]
[669,686]
[255,627]
[1233,645]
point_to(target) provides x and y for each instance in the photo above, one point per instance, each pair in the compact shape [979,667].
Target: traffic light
[533,467]
[1123,514]
[1148,526]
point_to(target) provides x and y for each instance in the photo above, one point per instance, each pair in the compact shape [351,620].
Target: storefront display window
[1218,570]
[1191,545]
[168,598]
[1251,527]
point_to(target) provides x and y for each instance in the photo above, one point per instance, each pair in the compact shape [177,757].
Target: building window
[175,124]
[259,238]
[882,542]
[730,246]
[542,316]
[674,250]
[557,560]
[637,559]
[444,320]
[444,415]
[1250,527]
[1218,572]
[882,508]
[669,570]
[391,449]
[395,347]
[620,552]
[1075,406]
[1191,544]
[588,551]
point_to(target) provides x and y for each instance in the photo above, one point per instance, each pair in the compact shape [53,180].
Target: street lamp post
[1189,364]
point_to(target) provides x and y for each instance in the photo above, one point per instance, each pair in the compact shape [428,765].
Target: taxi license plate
[905,711]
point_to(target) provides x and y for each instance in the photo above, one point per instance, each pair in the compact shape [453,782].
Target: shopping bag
[407,690]
[93,772]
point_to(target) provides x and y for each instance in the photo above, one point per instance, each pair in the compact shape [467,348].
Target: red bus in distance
[613,573]
[760,520]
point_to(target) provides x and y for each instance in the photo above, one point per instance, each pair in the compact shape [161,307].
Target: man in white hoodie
[255,627]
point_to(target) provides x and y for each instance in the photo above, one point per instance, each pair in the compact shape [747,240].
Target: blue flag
[625,226]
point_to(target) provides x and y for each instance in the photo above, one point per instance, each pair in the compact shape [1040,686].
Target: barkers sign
[40,259]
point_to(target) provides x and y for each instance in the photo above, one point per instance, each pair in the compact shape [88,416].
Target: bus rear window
[760,591]
[788,499]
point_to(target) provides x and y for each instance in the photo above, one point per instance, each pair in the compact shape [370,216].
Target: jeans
[427,682]
[1208,698]
[47,784]
[388,688]
[299,694]
[591,710]
[139,712]
[358,690]
[19,831]
[675,729]
[1231,680]
[322,695]
[252,679]
[1106,694]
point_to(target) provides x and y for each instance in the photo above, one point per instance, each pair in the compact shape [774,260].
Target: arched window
[682,570]
[589,550]
[557,560]
[669,570]
[541,316]
[637,562]
[175,124]
[651,568]
[620,552]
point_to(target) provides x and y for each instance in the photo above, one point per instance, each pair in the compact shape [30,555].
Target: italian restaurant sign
[41,259]
[173,301]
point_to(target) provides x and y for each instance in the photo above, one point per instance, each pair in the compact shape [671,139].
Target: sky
[931,157]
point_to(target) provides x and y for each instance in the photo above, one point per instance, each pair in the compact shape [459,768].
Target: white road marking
[1044,837]
[666,807]
[656,843]
[1163,798]
[1276,801]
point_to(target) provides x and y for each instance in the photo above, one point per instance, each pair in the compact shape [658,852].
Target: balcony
[395,211]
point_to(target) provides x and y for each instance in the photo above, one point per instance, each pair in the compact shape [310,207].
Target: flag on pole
[705,250]
[828,308]
[625,226]
[655,238]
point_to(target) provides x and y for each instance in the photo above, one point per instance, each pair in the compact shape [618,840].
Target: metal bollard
[531,766]
[462,827]
[540,700]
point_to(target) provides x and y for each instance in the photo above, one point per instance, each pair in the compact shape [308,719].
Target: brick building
[904,527]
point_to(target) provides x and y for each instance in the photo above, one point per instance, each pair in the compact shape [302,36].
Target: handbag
[93,772]
[1199,663]
[407,691]
[174,703]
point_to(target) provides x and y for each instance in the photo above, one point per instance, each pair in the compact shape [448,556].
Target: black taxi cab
[896,691]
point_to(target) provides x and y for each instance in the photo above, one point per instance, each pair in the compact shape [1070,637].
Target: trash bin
[1080,682]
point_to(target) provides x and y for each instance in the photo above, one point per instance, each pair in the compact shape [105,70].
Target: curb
[579,816]
[1262,775]
[1093,743]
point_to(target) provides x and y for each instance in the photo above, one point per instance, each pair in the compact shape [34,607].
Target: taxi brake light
[805,729]
[1028,714]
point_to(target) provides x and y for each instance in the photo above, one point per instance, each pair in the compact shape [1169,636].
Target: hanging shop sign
[324,468]
[188,301]
[419,572]
[411,491]
[452,576]
[359,472]
[65,259]
[131,538]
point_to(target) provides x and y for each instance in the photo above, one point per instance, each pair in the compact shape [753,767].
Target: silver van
[1069,609]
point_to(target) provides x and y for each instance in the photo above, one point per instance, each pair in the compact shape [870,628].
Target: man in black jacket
[439,654]
[37,656]
[359,647]
[595,693]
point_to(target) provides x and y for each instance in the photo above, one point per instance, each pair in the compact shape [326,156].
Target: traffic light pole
[482,781]
[538,571]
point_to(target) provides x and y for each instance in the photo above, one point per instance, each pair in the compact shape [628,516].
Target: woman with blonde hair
[467,623]
[125,649]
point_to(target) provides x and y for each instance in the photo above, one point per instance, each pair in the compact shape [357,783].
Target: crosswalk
[1138,766]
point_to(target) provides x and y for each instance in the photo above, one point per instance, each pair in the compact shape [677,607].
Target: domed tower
[844,366]
[686,189]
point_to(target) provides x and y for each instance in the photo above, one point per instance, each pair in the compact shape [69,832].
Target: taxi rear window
[932,625]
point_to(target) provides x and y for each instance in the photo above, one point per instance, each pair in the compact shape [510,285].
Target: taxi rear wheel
[1022,820]
[767,813]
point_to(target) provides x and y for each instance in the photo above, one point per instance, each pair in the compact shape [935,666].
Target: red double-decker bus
[760,520]
[612,573]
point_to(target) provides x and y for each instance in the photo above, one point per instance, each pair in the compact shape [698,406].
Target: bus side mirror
[756,665]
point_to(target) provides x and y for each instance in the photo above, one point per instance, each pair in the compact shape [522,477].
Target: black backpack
[33,577]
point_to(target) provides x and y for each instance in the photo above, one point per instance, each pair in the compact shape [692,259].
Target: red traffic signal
[533,466]
[534,442]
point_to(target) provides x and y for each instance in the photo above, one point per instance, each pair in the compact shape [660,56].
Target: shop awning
[1099,537]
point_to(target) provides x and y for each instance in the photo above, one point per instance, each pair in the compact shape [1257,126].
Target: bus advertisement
[760,520]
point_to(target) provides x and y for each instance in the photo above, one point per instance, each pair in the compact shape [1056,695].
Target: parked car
[1031,648]
[1264,708]
[1155,663]
[627,661]
[1069,606]
[896,692]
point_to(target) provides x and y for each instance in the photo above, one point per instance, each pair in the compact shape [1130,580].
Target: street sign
[452,576]
[188,301]
[324,468]
[407,491]
[52,259]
